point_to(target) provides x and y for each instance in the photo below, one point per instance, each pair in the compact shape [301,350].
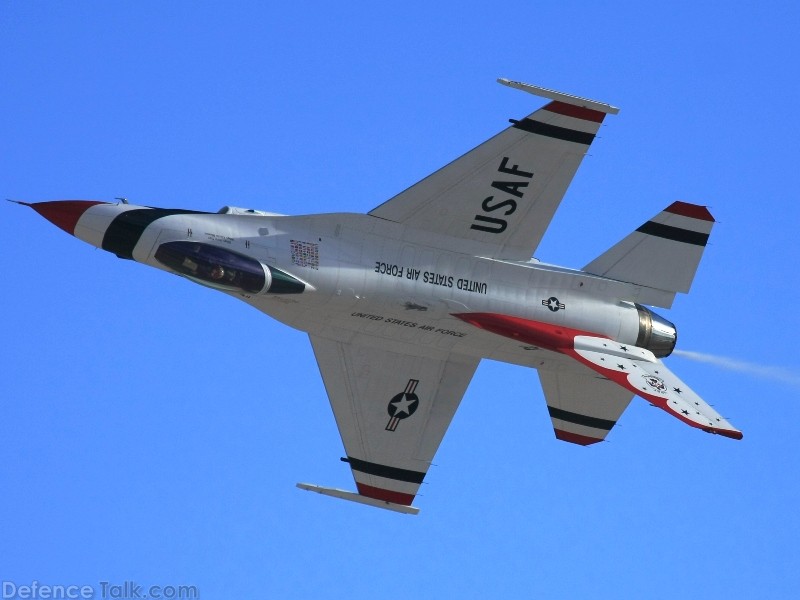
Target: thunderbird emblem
[656,383]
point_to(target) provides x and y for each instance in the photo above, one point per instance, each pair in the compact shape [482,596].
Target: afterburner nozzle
[655,333]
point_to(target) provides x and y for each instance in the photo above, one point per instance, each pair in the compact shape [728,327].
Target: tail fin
[662,254]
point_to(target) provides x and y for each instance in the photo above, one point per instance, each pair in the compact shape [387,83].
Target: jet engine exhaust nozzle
[655,333]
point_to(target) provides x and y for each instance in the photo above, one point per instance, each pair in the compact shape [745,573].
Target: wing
[499,198]
[583,405]
[392,410]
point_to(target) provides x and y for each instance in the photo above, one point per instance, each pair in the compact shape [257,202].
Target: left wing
[392,410]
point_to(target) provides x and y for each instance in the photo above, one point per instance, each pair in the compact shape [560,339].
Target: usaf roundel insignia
[553,304]
[403,405]
[656,383]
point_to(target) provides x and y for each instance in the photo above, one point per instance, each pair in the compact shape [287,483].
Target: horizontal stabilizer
[650,379]
[585,411]
[352,496]
[663,253]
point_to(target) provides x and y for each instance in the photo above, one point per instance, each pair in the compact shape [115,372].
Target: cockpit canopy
[214,266]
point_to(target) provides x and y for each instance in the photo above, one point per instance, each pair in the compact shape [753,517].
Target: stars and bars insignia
[402,405]
[553,304]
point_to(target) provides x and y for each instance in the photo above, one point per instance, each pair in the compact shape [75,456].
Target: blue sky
[152,430]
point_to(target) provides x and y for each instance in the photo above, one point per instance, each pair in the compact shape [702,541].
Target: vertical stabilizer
[663,253]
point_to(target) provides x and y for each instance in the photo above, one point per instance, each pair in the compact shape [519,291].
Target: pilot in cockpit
[217,272]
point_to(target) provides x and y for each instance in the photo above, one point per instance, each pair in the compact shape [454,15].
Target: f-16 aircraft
[402,303]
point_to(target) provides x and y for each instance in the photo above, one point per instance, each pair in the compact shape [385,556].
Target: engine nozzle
[655,333]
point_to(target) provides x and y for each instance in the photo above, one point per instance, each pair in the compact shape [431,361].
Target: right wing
[499,198]
[392,410]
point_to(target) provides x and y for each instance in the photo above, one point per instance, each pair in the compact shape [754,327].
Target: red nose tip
[64,213]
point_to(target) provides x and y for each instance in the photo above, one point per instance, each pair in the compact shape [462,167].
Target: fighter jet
[403,302]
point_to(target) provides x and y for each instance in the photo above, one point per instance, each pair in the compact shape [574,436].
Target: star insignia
[402,406]
[678,390]
[553,304]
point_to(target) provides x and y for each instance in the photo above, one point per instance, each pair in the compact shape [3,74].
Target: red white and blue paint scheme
[402,303]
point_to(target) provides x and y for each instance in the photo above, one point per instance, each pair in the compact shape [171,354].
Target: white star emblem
[402,406]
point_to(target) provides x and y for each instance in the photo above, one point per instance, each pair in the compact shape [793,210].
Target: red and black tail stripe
[676,234]
[579,419]
[701,216]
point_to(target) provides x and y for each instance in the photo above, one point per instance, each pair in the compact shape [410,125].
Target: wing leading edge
[499,198]
[392,410]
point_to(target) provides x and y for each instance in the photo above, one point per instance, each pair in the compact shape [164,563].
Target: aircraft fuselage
[356,274]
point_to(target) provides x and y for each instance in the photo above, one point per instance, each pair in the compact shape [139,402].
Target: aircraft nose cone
[64,213]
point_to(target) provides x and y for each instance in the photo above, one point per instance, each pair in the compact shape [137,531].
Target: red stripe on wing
[579,112]
[386,495]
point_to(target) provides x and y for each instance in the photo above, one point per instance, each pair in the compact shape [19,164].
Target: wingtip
[686,209]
